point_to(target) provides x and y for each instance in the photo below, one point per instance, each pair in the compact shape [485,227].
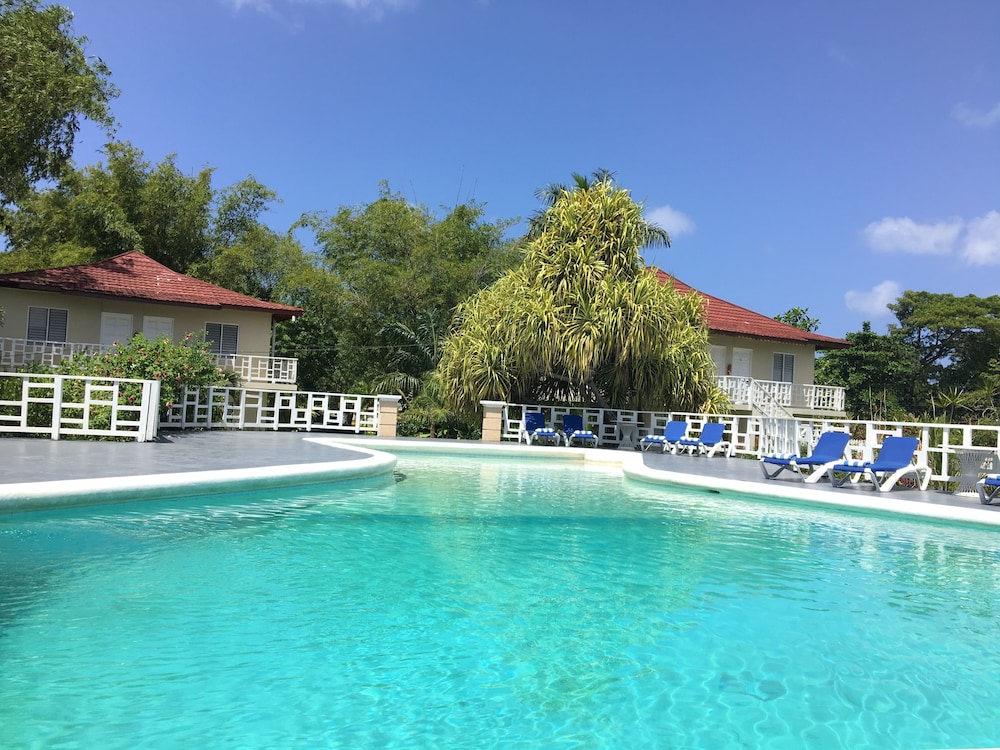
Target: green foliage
[955,339]
[107,209]
[315,337]
[876,372]
[939,362]
[246,256]
[582,320]
[799,317]
[389,261]
[38,414]
[47,85]
[176,366]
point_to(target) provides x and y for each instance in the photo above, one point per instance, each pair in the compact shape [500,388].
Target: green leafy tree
[316,338]
[955,339]
[48,84]
[799,317]
[415,354]
[552,192]
[246,255]
[582,320]
[391,260]
[110,208]
[875,372]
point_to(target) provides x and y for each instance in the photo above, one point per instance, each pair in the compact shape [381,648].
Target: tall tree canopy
[799,317]
[877,372]
[954,337]
[47,85]
[942,359]
[392,262]
[110,208]
[582,319]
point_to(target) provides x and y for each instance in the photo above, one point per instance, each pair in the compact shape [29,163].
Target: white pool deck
[37,474]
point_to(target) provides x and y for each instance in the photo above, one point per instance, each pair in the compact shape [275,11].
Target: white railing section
[762,400]
[20,352]
[248,409]
[755,436]
[58,405]
[256,369]
[789,395]
[252,368]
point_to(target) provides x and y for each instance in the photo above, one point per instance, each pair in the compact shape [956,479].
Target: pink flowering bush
[176,366]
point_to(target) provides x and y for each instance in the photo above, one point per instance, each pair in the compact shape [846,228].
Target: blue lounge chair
[829,450]
[894,461]
[674,431]
[534,429]
[988,487]
[573,430]
[708,442]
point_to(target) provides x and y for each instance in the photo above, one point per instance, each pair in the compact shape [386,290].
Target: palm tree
[549,194]
[417,352]
[581,320]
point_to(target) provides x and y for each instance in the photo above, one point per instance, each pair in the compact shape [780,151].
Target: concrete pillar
[388,415]
[492,421]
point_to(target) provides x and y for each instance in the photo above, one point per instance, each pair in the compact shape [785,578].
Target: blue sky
[825,154]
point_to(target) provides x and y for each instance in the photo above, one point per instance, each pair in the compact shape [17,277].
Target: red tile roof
[732,320]
[137,277]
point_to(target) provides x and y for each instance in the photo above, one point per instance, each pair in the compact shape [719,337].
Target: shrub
[177,366]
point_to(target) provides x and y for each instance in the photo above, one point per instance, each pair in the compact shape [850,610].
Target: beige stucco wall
[84,318]
[762,359]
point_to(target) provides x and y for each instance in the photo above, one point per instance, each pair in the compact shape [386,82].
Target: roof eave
[282,314]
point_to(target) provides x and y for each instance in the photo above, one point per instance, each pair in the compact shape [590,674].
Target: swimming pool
[490,603]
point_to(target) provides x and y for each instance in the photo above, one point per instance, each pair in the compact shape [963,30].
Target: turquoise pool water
[483,604]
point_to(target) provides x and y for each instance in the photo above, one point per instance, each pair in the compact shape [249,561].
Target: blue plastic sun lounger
[829,450]
[534,430]
[708,442]
[573,431]
[673,432]
[894,461]
[988,487]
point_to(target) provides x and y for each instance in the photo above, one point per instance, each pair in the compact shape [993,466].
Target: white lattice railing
[16,353]
[246,408]
[252,368]
[57,405]
[789,395]
[754,436]
[256,369]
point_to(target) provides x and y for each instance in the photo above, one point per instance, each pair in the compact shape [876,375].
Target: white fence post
[57,391]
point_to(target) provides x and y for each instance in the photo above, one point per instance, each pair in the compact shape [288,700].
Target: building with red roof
[59,310]
[778,358]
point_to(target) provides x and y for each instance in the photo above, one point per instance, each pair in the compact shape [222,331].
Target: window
[784,368]
[154,327]
[222,338]
[47,324]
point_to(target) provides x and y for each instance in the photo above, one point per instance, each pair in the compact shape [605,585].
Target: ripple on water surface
[491,604]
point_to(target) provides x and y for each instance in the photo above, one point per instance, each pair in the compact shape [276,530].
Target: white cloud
[372,8]
[906,236]
[260,5]
[974,118]
[675,222]
[982,240]
[838,54]
[874,302]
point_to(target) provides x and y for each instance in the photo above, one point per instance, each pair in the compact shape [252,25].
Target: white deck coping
[380,459]
[633,467]
[64,493]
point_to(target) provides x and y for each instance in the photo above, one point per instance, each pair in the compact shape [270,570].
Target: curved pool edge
[66,493]
[632,466]
[868,502]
